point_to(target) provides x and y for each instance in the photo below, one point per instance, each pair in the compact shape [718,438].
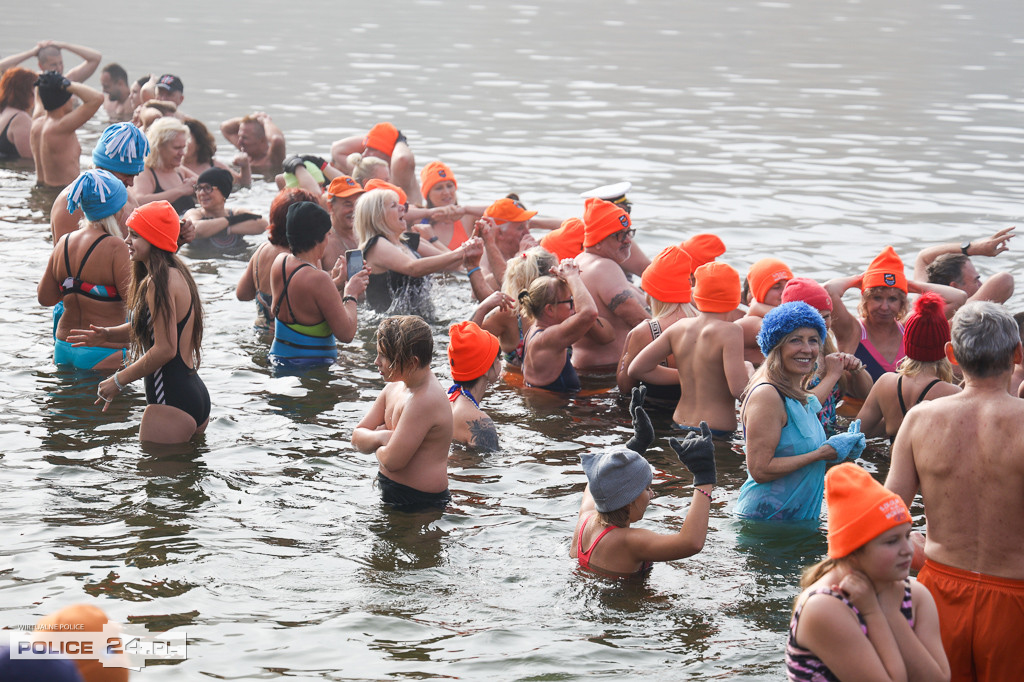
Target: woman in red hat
[860,616]
[165,331]
[876,335]
[925,374]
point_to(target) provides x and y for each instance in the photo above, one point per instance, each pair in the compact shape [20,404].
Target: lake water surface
[814,131]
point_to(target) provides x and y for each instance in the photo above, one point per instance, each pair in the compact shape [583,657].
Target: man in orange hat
[383,141]
[965,454]
[607,242]
[341,195]
[475,359]
[766,278]
[950,264]
[709,354]
[258,139]
[506,233]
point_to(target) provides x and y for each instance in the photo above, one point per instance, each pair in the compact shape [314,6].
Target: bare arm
[370,433]
[87,68]
[920,646]
[92,100]
[953,297]
[764,417]
[15,59]
[647,545]
[414,424]
[845,326]
[872,421]
[229,129]
[246,290]
[48,290]
[990,246]
[902,478]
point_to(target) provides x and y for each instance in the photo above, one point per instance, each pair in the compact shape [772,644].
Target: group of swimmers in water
[355,231]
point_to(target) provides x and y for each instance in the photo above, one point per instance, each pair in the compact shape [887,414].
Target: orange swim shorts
[981,618]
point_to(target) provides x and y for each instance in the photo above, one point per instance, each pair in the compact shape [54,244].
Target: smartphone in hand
[353,262]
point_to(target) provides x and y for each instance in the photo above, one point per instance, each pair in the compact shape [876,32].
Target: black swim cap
[306,225]
[53,90]
[219,178]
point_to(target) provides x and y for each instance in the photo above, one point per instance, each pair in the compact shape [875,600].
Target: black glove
[292,163]
[241,218]
[697,453]
[643,432]
[315,160]
[401,138]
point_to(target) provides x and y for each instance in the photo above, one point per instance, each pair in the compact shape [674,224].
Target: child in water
[860,616]
[409,426]
[618,492]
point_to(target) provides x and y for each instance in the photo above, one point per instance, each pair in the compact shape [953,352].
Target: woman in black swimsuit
[165,178]
[16,89]
[165,331]
[925,374]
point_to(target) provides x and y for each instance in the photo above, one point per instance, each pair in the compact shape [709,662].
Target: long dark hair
[155,273]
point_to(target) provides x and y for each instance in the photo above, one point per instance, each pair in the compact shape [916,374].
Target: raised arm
[229,129]
[15,59]
[990,246]
[845,325]
[92,100]
[91,61]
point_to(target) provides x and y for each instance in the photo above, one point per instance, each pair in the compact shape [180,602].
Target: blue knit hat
[122,148]
[787,318]
[98,193]
[617,477]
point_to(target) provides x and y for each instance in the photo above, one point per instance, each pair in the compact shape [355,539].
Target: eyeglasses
[570,301]
[202,189]
[623,235]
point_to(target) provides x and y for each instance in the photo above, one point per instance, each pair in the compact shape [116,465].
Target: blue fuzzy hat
[616,478]
[99,194]
[122,148]
[786,318]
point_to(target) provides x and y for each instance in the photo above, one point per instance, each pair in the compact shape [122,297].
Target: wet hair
[543,291]
[252,119]
[202,140]
[369,219]
[522,269]
[406,341]
[862,309]
[16,89]
[617,517]
[947,268]
[771,371]
[155,274]
[364,168]
[276,230]
[161,133]
[984,337]
[116,72]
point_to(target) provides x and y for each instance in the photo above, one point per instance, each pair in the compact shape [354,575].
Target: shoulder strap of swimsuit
[926,389]
[899,394]
[287,281]
[88,253]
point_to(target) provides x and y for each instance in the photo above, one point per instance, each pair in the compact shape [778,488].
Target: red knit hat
[703,248]
[766,273]
[602,218]
[926,332]
[717,289]
[377,183]
[886,270]
[667,278]
[157,222]
[471,351]
[808,291]
[383,137]
[859,509]
[433,173]
[566,241]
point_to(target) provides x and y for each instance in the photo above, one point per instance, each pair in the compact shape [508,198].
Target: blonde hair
[911,368]
[109,224]
[161,133]
[364,168]
[543,291]
[868,293]
[660,309]
[771,371]
[369,220]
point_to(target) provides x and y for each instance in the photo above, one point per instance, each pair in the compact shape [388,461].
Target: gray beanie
[617,477]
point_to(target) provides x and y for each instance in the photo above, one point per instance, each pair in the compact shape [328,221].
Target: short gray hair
[984,336]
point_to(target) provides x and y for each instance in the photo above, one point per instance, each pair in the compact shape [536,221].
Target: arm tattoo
[483,435]
[619,299]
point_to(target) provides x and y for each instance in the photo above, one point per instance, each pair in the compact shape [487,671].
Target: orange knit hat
[83,618]
[377,183]
[859,509]
[602,218]
[717,289]
[885,271]
[766,273]
[157,223]
[344,186]
[667,278]
[508,211]
[433,173]
[566,241]
[383,137]
[471,351]
[703,248]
